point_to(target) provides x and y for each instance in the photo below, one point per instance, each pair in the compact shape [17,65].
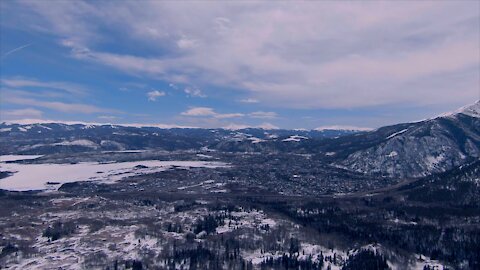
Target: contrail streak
[16,49]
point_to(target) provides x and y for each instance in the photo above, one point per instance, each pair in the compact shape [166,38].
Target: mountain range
[404,150]
[420,148]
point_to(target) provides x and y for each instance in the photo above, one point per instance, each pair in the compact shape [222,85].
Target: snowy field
[51,176]
[5,158]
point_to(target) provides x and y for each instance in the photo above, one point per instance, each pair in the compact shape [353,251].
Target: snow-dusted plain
[50,176]
[94,244]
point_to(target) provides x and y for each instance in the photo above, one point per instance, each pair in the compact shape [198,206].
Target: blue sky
[219,64]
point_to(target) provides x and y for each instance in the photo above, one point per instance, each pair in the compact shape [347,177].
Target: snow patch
[397,133]
[86,143]
[392,154]
[295,138]
[255,140]
[432,161]
[204,156]
[125,151]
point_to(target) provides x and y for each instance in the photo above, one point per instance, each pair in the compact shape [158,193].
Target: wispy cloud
[199,111]
[249,100]
[209,112]
[228,115]
[186,43]
[21,113]
[19,82]
[263,115]
[194,92]
[56,105]
[153,95]
[16,50]
[107,117]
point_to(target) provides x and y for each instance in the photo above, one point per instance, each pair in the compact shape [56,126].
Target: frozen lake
[36,176]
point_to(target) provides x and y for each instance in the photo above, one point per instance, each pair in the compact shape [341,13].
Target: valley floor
[217,216]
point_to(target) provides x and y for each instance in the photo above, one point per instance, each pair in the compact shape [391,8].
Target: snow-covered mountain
[48,137]
[421,148]
[472,110]
[404,150]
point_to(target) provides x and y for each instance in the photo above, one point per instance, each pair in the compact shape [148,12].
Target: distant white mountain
[265,126]
[91,124]
[345,128]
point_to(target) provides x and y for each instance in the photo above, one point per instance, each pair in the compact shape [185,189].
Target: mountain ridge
[414,149]
[420,148]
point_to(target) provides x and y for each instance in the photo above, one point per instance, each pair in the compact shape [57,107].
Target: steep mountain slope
[418,149]
[460,186]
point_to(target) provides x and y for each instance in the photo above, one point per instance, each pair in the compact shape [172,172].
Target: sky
[237,64]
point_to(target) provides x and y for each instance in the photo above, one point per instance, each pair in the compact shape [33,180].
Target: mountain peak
[471,110]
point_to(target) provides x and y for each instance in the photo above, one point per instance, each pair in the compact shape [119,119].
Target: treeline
[200,258]
[366,259]
[292,261]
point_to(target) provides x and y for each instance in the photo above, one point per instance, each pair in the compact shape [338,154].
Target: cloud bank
[293,55]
